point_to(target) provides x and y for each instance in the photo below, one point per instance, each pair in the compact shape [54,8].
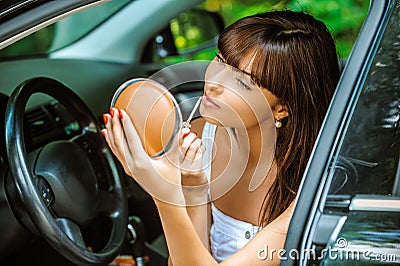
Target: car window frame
[40,16]
[313,189]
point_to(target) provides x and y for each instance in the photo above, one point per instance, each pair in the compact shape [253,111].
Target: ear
[280,111]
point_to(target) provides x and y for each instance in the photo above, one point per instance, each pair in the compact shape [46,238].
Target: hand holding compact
[159,176]
[144,138]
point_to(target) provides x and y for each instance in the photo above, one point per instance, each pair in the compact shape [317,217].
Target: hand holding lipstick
[193,178]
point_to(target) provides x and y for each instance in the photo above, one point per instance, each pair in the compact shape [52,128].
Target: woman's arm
[200,217]
[194,180]
[184,245]
[201,220]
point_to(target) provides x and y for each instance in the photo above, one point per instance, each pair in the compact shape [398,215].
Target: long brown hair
[295,58]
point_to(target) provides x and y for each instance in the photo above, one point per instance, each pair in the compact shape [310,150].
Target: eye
[242,84]
[219,58]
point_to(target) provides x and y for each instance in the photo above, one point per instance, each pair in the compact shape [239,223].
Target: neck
[258,138]
[259,143]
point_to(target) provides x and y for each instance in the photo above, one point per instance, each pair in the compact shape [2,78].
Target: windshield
[62,33]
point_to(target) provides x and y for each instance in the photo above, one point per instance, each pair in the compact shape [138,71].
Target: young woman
[283,71]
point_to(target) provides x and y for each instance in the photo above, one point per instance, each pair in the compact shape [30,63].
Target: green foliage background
[344,18]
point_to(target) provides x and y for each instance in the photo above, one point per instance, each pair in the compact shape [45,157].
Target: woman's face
[232,99]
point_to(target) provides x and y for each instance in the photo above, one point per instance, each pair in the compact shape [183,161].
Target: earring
[278,123]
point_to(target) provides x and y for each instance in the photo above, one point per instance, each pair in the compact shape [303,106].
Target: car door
[348,207]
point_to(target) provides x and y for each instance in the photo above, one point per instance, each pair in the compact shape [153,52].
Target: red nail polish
[112,112]
[185,135]
[105,118]
[119,114]
[103,132]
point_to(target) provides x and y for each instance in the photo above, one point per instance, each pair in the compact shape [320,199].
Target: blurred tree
[343,17]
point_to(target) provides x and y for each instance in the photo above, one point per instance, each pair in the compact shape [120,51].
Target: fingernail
[103,132]
[112,112]
[195,133]
[119,114]
[185,132]
[105,118]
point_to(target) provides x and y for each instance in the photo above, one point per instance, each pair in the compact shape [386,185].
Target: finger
[187,142]
[200,152]
[115,131]
[193,149]
[127,157]
[184,133]
[117,154]
[133,141]
[121,143]
[114,136]
[193,165]
[108,129]
[106,136]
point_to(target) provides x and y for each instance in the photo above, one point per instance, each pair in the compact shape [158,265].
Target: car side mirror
[191,32]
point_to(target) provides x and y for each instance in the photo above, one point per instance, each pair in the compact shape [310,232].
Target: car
[64,199]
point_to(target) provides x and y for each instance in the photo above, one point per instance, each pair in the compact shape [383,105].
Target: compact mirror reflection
[153,111]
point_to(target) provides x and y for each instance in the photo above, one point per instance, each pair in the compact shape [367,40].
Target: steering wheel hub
[68,171]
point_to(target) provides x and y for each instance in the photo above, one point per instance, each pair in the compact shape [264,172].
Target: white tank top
[227,234]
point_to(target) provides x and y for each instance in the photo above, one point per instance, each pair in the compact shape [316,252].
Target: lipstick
[196,106]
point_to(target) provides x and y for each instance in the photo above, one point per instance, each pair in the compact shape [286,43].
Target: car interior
[64,198]
[55,102]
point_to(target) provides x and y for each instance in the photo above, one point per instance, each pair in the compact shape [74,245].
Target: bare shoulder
[197,125]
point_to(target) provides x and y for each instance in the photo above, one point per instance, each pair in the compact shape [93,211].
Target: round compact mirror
[153,111]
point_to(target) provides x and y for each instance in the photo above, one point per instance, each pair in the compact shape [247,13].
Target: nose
[213,88]
[215,79]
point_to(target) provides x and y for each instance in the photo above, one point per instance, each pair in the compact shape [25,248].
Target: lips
[208,102]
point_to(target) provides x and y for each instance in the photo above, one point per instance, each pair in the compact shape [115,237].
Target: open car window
[362,209]
[368,157]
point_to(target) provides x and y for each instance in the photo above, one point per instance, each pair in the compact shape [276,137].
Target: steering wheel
[70,183]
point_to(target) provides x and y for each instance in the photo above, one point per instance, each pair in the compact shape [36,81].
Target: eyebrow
[223,61]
